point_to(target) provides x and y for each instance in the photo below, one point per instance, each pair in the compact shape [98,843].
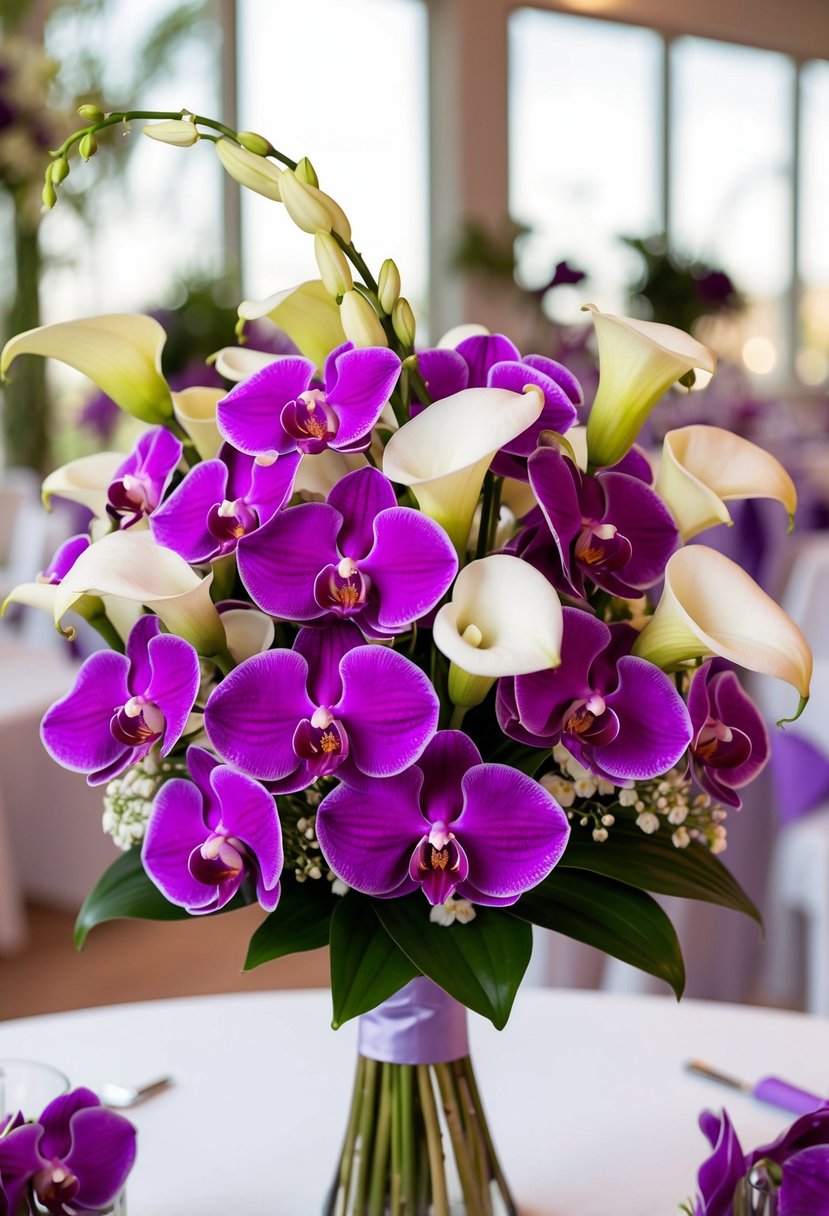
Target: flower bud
[333,267]
[250,170]
[360,322]
[306,172]
[388,285]
[58,170]
[251,142]
[91,113]
[181,133]
[88,146]
[403,321]
[305,204]
[48,194]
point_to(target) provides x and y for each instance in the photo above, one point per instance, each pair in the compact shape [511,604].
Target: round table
[589,1105]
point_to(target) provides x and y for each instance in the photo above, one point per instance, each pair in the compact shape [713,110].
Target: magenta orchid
[450,824]
[358,556]
[331,705]
[730,745]
[278,409]
[140,482]
[206,836]
[122,705]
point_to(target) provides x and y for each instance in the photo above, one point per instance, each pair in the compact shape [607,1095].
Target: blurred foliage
[676,290]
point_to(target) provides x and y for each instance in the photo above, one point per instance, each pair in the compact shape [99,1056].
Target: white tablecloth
[585,1092]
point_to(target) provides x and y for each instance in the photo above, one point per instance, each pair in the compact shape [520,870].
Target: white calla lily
[121,353]
[307,314]
[703,467]
[710,606]
[248,632]
[638,363]
[317,475]
[443,453]
[459,333]
[504,619]
[131,566]
[195,410]
[85,480]
[238,362]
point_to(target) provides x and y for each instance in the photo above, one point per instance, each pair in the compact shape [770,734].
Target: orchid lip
[55,1185]
[322,742]
[342,588]
[230,521]
[137,722]
[310,421]
[218,860]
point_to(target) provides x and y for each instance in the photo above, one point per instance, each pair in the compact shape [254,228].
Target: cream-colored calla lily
[131,566]
[195,409]
[703,467]
[248,632]
[238,362]
[443,453]
[121,353]
[307,314]
[85,480]
[317,475]
[710,606]
[504,619]
[638,363]
[121,614]
[459,333]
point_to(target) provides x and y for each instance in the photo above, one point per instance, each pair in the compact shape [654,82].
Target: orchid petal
[307,314]
[249,813]
[638,362]
[85,481]
[195,409]
[121,353]
[249,416]
[323,651]
[360,497]
[448,756]
[444,452]
[515,615]
[444,372]
[75,730]
[364,383]
[180,523]
[411,565]
[174,684]
[710,606]
[654,727]
[175,828]
[130,565]
[101,1156]
[704,466]
[805,1185]
[390,709]
[279,563]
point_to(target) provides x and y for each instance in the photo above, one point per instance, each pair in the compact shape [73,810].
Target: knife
[773,1090]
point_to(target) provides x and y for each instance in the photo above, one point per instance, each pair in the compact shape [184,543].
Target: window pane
[345,85]
[585,116]
[730,190]
[813,357]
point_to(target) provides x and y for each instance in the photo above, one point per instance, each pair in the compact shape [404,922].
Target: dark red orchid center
[439,853]
[602,546]
[343,588]
[321,741]
[591,721]
[131,495]
[720,746]
[231,520]
[55,1186]
[218,860]
[138,722]
[310,421]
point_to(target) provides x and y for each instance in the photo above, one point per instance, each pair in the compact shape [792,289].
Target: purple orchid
[610,529]
[276,410]
[801,1155]
[492,361]
[330,705]
[358,556]
[75,1158]
[222,501]
[207,835]
[140,482]
[730,744]
[450,824]
[122,705]
[620,716]
[64,559]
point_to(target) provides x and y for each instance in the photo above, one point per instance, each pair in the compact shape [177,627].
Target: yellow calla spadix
[443,453]
[132,566]
[121,353]
[710,606]
[638,363]
[307,314]
[195,409]
[703,467]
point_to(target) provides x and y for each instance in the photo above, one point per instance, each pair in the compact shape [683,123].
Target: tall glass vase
[417,1141]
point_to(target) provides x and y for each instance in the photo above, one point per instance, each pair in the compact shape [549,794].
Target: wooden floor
[141,960]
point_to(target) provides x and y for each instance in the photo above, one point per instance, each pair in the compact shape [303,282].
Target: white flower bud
[176,131]
[680,838]
[388,285]
[257,144]
[250,170]
[310,209]
[333,265]
[600,835]
[560,789]
[403,321]
[306,172]
[585,787]
[628,797]
[677,815]
[360,322]
[648,822]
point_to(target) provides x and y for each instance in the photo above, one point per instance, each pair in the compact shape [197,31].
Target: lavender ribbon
[420,1024]
[800,773]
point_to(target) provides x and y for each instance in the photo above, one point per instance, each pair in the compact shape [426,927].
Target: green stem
[466,1068]
[458,715]
[474,1134]
[486,512]
[460,1147]
[380,1162]
[104,627]
[396,1140]
[366,1134]
[407,1137]
[495,513]
[440,1197]
[347,1156]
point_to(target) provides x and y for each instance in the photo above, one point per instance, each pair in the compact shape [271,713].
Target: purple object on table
[773,1090]
[800,772]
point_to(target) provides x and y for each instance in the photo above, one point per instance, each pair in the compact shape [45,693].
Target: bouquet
[387,650]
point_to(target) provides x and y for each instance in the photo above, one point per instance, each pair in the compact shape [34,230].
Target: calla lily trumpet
[307,314]
[195,409]
[638,363]
[85,481]
[131,566]
[121,353]
[443,453]
[703,467]
[504,619]
[710,606]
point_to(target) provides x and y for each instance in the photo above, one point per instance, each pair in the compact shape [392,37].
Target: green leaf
[124,890]
[300,921]
[654,864]
[366,965]
[480,964]
[610,915]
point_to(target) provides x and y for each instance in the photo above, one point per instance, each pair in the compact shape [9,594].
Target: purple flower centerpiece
[393,646]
